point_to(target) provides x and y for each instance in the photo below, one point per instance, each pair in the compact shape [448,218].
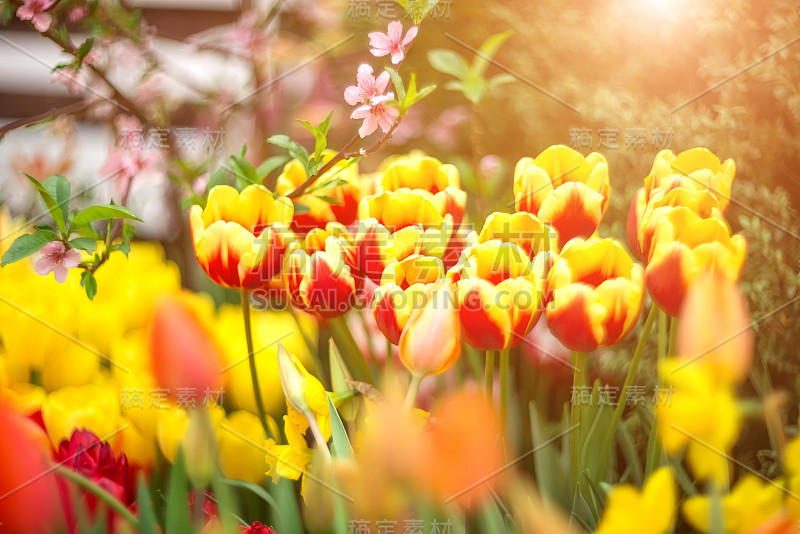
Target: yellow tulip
[649,511]
[93,407]
[240,458]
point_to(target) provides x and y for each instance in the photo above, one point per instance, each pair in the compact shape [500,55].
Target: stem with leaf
[262,416]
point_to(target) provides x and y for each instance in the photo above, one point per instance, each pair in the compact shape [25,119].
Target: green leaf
[124,247]
[24,246]
[84,243]
[280,140]
[341,444]
[270,164]
[425,91]
[50,204]
[61,190]
[449,62]
[97,213]
[399,88]
[218,177]
[330,200]
[487,51]
[294,149]
[325,125]
[256,489]
[84,50]
[89,284]
[501,79]
[244,171]
[474,89]
[418,9]
[177,516]
[300,208]
[147,516]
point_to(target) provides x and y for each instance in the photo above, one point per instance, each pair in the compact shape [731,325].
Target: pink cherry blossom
[392,42]
[56,259]
[35,11]
[368,86]
[375,114]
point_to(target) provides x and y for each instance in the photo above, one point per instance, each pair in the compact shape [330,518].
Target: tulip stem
[578,382]
[248,334]
[611,433]
[673,337]
[100,493]
[389,350]
[662,335]
[354,359]
[488,375]
[322,445]
[505,372]
[413,389]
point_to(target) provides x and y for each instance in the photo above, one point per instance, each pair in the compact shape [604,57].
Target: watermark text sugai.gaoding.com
[407,526]
[391,10]
[616,138]
[637,395]
[159,398]
[159,138]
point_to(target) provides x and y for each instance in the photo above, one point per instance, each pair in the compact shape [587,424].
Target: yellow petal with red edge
[671,269]
[575,318]
[524,229]
[391,310]
[531,186]
[621,300]
[563,164]
[485,318]
[523,300]
[574,210]
[399,209]
[430,342]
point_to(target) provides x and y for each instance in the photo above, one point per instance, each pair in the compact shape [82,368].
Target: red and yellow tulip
[523,229]
[321,277]
[240,237]
[430,342]
[500,293]
[340,184]
[564,189]
[395,224]
[595,294]
[418,171]
[683,245]
[402,288]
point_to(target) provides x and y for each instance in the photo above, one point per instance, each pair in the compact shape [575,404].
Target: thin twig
[69,109]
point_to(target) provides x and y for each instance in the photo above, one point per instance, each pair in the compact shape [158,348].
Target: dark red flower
[257,528]
[210,509]
[85,454]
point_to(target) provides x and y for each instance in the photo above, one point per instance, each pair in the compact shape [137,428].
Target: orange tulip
[715,327]
[595,294]
[418,171]
[683,245]
[240,238]
[321,277]
[340,183]
[29,495]
[403,287]
[395,224]
[500,293]
[184,356]
[430,342]
[564,189]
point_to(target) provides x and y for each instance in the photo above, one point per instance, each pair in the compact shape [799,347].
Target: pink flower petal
[25,12]
[361,113]
[54,248]
[397,56]
[42,22]
[395,32]
[379,40]
[43,265]
[352,95]
[370,125]
[60,272]
[71,259]
[412,32]
[380,52]
[382,81]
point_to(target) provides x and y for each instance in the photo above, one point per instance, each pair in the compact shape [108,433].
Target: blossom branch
[69,109]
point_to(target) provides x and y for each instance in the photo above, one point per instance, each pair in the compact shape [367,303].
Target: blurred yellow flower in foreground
[649,511]
[93,407]
[240,447]
[752,502]
[701,416]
